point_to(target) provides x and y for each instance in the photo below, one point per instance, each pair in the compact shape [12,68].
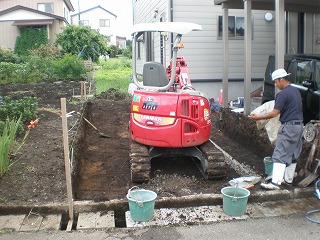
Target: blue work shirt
[289,102]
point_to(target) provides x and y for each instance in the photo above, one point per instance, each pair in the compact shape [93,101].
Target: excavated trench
[102,170]
[100,166]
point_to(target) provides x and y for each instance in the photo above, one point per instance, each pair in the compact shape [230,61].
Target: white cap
[280,73]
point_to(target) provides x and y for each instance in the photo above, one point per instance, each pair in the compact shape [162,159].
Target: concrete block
[86,221]
[95,220]
[11,222]
[285,207]
[105,220]
[51,222]
[31,222]
[312,203]
[268,209]
[255,211]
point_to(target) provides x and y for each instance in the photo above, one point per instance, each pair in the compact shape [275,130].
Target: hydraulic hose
[310,213]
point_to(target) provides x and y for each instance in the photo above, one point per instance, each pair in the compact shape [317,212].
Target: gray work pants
[289,144]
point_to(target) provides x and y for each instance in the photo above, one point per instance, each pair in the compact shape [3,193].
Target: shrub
[39,69]
[69,68]
[12,73]
[25,109]
[46,51]
[7,55]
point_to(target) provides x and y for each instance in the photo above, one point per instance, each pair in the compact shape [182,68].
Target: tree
[82,41]
[127,52]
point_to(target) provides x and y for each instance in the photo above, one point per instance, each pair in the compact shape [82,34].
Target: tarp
[271,125]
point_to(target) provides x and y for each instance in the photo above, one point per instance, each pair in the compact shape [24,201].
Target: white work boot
[289,173]
[277,176]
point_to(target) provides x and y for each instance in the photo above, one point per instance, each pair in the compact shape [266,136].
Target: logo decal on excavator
[135,108]
[150,99]
[158,121]
[150,105]
[136,98]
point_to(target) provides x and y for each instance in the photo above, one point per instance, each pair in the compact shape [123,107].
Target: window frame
[106,22]
[233,22]
[45,6]
[81,22]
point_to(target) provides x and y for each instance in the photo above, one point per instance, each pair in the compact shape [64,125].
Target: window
[66,14]
[104,23]
[139,50]
[84,22]
[235,27]
[303,71]
[317,75]
[45,7]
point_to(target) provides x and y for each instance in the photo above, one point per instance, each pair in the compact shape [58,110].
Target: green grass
[114,73]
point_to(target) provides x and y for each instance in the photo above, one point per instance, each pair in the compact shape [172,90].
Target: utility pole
[78,12]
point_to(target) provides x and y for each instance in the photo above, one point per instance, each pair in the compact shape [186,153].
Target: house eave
[24,13]
[309,6]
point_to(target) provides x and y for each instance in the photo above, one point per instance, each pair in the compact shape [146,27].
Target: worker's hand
[254,117]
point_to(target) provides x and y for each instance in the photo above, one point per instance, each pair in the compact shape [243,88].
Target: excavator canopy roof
[176,27]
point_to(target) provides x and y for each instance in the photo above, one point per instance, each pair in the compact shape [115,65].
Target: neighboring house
[204,50]
[121,42]
[52,14]
[97,18]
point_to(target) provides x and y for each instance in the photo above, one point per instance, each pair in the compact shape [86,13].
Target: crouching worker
[288,104]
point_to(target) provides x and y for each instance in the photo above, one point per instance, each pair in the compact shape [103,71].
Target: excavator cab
[168,116]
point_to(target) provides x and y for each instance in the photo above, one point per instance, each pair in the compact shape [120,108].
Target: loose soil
[100,166]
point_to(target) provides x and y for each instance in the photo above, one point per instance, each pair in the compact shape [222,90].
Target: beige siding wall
[11,32]
[145,12]
[204,50]
[208,59]
[58,4]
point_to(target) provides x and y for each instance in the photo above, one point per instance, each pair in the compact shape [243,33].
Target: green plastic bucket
[268,165]
[141,204]
[235,200]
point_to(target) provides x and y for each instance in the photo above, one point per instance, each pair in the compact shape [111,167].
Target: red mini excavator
[168,116]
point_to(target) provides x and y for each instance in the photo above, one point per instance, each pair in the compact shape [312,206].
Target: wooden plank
[67,158]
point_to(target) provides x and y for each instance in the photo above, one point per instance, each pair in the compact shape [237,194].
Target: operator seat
[154,75]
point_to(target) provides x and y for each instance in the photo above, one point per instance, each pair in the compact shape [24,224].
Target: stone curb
[121,205]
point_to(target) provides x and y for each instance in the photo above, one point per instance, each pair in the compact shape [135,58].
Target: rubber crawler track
[216,161]
[141,164]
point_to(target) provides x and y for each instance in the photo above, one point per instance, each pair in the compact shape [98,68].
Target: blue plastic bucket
[268,165]
[141,204]
[235,200]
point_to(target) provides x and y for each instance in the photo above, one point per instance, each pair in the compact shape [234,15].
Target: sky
[121,8]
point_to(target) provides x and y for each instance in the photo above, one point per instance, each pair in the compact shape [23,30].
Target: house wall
[94,16]
[204,50]
[144,12]
[8,35]
[316,39]
[58,9]
[12,32]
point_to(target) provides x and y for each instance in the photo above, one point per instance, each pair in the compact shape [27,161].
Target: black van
[305,75]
